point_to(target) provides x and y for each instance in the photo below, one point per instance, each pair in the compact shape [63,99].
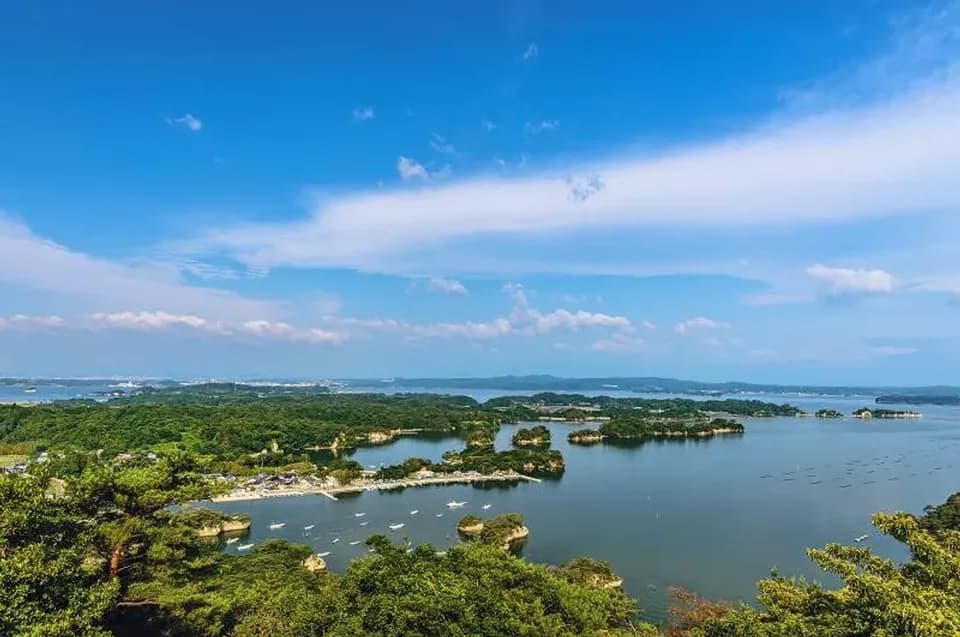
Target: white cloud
[410,169]
[698,323]
[24,320]
[532,52]
[145,320]
[154,321]
[582,188]
[363,113]
[647,325]
[447,286]
[278,330]
[187,121]
[523,320]
[542,126]
[530,320]
[837,282]
[441,145]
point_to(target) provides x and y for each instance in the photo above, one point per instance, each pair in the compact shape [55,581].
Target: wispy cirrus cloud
[619,343]
[186,122]
[777,298]
[25,321]
[363,113]
[147,320]
[845,282]
[889,158]
[76,279]
[697,324]
[442,145]
[278,330]
[446,286]
[541,126]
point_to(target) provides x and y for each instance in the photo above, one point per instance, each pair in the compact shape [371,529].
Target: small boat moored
[394,527]
[277,525]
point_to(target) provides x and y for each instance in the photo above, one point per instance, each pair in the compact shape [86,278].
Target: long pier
[384,485]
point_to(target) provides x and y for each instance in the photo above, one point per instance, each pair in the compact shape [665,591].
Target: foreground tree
[878,597]
[106,552]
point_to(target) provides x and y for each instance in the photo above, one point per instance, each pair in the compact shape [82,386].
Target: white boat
[334,540]
[278,525]
[359,515]
[453,504]
[364,523]
[415,511]
[244,547]
[486,506]
[232,540]
[308,527]
[355,542]
[439,515]
[861,538]
[324,554]
[394,527]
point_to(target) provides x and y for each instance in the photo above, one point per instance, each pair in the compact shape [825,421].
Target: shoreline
[241,495]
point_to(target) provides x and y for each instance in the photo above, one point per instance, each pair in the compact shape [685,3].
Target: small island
[212,524]
[829,413]
[584,437]
[538,436]
[641,427]
[584,570]
[506,531]
[866,413]
[470,525]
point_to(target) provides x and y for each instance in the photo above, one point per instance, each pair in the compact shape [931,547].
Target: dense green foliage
[486,460]
[920,399]
[878,597]
[866,412]
[828,413]
[235,429]
[103,554]
[607,406]
[634,426]
[943,517]
[498,530]
[400,471]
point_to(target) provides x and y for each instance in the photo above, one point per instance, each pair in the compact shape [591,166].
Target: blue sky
[720,191]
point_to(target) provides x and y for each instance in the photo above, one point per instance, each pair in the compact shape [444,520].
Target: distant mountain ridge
[646,384]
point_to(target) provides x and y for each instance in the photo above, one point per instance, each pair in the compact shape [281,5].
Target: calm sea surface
[713,515]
